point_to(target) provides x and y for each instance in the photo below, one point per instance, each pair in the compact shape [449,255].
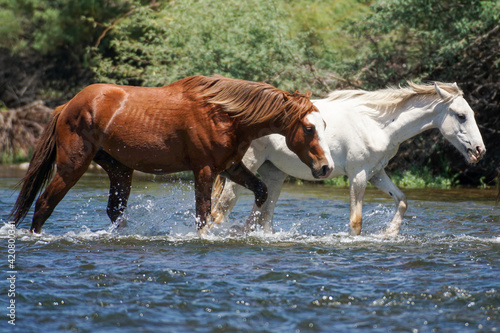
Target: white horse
[364,130]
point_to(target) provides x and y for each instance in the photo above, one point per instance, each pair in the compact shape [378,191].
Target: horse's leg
[224,203]
[73,159]
[385,184]
[357,186]
[273,178]
[240,174]
[120,178]
[203,180]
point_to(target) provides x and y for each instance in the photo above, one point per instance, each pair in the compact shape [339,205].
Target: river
[442,274]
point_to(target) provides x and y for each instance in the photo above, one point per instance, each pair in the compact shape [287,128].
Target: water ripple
[80,274]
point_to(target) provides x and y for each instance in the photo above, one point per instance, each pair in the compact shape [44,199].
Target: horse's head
[306,138]
[458,125]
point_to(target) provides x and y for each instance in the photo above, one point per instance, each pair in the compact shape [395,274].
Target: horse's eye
[309,129]
[461,117]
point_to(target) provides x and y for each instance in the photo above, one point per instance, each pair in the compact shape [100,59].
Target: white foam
[221,234]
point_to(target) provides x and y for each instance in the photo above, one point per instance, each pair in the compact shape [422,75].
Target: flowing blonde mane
[387,100]
[253,102]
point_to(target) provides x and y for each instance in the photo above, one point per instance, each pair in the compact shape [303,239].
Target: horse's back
[160,129]
[136,108]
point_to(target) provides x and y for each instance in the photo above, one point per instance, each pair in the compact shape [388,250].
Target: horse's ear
[455,86]
[441,93]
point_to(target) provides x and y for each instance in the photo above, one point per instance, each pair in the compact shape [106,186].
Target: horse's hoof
[34,231]
[203,232]
[391,234]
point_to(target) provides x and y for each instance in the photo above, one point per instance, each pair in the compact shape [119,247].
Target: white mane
[387,100]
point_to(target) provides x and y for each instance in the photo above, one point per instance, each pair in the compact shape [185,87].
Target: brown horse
[203,124]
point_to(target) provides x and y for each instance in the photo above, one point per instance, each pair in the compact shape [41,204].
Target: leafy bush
[422,178]
[242,39]
[46,26]
[420,39]
[341,181]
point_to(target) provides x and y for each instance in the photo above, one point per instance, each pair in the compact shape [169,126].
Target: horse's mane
[390,98]
[252,101]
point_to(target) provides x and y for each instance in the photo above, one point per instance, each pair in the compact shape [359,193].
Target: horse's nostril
[325,169]
[479,150]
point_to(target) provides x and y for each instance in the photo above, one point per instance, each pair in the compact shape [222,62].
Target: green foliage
[242,39]
[323,23]
[412,39]
[10,157]
[48,25]
[422,178]
[341,181]
[12,26]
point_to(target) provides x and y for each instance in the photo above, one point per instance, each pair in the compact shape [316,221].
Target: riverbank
[19,170]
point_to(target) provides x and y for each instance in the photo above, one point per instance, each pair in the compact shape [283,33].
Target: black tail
[39,171]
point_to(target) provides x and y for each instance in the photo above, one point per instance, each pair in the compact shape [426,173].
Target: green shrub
[341,181]
[241,39]
[422,178]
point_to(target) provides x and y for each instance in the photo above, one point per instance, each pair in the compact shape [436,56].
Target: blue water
[442,274]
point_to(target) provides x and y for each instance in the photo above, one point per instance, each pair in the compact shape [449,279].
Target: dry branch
[21,127]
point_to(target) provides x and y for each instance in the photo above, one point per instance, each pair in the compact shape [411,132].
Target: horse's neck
[411,118]
[258,130]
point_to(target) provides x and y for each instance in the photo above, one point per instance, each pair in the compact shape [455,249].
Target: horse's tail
[39,171]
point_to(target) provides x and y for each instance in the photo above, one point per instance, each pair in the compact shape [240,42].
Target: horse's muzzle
[322,172]
[475,156]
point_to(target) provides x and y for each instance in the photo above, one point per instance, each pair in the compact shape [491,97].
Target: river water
[442,274]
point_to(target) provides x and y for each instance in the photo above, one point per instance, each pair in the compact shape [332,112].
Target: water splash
[186,234]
